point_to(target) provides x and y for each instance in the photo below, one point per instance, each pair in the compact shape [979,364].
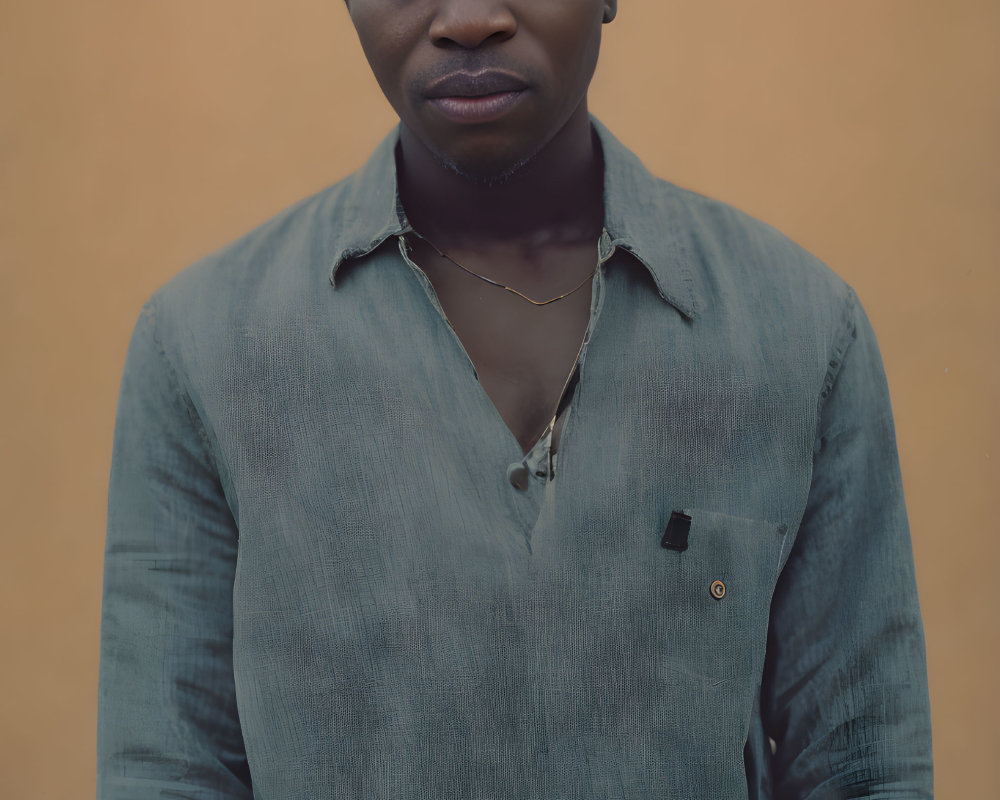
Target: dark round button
[519,475]
[718,590]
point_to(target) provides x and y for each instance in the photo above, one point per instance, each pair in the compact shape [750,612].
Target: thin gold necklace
[492,282]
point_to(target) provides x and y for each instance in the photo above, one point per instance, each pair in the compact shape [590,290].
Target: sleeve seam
[149,310]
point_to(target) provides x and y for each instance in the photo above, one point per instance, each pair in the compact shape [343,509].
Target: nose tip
[472,23]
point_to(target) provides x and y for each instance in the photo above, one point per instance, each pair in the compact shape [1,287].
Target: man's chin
[494,172]
[490,177]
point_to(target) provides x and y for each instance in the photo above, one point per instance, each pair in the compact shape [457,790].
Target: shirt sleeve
[167,719]
[845,685]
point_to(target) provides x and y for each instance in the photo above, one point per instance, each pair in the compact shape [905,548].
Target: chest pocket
[714,594]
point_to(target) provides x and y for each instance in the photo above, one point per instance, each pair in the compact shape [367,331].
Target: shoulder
[288,249]
[236,303]
[277,265]
[739,259]
[710,253]
[761,292]
[750,277]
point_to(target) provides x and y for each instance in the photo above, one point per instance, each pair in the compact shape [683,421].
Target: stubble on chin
[485,179]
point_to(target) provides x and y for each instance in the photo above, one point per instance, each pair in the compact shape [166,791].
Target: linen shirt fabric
[320,582]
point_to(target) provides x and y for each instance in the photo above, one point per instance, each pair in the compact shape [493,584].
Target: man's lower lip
[476,109]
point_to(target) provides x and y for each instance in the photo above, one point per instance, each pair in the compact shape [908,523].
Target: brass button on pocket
[718,590]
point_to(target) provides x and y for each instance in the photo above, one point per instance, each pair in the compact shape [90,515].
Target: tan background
[137,136]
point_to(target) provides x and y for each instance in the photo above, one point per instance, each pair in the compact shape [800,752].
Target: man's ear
[610,10]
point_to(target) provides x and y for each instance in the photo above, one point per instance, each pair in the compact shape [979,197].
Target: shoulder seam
[838,351]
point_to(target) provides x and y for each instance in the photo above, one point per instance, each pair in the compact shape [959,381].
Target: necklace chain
[492,282]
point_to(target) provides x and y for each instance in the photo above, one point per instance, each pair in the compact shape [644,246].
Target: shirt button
[518,475]
[718,590]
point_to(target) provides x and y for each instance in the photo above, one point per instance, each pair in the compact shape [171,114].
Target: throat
[524,354]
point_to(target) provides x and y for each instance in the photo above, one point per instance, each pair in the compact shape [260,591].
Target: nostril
[465,44]
[455,29]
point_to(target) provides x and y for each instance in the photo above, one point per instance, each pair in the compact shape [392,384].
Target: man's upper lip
[475,84]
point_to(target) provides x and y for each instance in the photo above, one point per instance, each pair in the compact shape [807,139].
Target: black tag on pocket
[675,537]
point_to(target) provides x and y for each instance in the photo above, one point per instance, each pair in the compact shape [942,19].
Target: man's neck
[557,197]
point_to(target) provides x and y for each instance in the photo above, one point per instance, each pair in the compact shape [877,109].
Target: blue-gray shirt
[321,580]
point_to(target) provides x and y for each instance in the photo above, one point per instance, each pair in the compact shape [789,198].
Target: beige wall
[137,136]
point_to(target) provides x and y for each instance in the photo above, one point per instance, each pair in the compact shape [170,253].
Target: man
[504,469]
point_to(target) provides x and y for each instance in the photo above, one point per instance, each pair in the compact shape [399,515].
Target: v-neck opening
[539,451]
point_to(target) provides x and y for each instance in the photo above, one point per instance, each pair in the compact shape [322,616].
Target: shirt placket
[539,463]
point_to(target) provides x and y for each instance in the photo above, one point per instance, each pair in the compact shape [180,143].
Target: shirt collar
[643,215]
